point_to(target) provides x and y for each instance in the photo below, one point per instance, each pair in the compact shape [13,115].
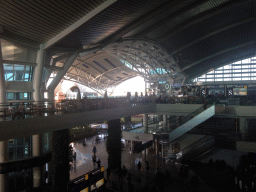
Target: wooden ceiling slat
[28,20]
[47,15]
[76,8]
[25,30]
[50,13]
[68,9]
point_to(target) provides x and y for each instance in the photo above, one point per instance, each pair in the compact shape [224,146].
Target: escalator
[199,150]
[189,122]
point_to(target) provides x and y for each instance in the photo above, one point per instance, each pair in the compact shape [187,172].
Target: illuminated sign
[241,91]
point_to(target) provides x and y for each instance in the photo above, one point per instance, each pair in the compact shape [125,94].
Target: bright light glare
[136,84]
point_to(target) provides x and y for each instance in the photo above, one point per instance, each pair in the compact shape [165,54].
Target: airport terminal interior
[191,128]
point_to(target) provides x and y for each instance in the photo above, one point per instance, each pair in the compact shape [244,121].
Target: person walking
[94,150]
[147,166]
[139,166]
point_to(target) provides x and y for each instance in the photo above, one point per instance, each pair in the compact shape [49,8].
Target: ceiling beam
[190,23]
[166,20]
[218,53]
[213,33]
[137,23]
[77,24]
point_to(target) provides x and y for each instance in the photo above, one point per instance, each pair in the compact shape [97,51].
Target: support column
[244,127]
[180,118]
[36,152]
[2,82]
[145,122]
[4,157]
[61,73]
[106,100]
[156,147]
[114,144]
[60,168]
[132,146]
[225,91]
[164,121]
[38,73]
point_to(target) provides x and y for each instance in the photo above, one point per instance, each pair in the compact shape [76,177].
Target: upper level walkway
[47,117]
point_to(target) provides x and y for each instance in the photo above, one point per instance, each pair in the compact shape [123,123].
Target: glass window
[210,80]
[227,67]
[219,79]
[237,75]
[245,70]
[219,71]
[246,61]
[9,96]
[8,70]
[19,96]
[227,75]
[245,78]
[18,72]
[227,79]
[218,76]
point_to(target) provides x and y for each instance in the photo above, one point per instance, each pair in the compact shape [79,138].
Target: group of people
[11,112]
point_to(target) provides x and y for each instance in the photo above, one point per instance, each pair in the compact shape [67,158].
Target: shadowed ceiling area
[122,39]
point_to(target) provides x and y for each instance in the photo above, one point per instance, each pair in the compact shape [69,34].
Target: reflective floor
[84,164]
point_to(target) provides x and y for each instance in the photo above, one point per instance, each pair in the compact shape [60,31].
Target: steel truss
[146,56]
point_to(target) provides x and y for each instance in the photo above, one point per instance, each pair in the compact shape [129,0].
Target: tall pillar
[179,119]
[164,121]
[225,91]
[205,88]
[38,73]
[114,144]
[244,127]
[60,168]
[132,146]
[36,152]
[156,147]
[4,157]
[2,81]
[106,99]
[145,122]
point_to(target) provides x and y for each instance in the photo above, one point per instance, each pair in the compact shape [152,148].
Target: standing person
[94,150]
[120,174]
[98,163]
[108,173]
[147,166]
[139,166]
[94,160]
[11,111]
[22,111]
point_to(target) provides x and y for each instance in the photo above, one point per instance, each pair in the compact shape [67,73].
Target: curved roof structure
[120,39]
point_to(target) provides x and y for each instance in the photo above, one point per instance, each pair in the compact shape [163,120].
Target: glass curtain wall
[244,70]
[20,148]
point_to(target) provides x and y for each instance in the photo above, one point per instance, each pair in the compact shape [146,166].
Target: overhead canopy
[121,39]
